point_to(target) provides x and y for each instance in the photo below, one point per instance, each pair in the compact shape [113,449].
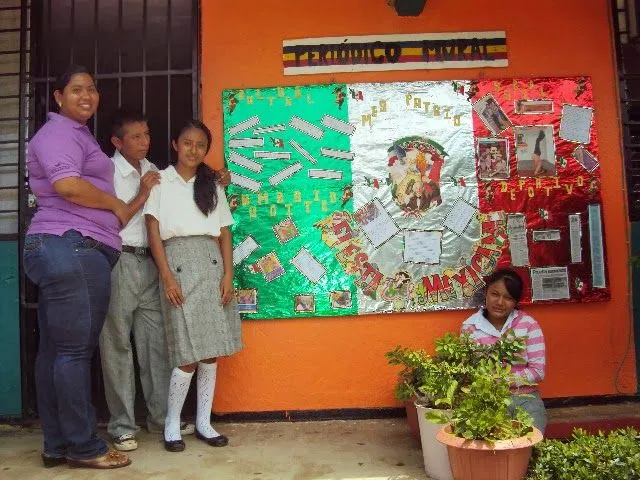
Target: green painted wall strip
[10,391]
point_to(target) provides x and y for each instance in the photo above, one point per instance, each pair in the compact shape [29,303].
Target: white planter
[434,453]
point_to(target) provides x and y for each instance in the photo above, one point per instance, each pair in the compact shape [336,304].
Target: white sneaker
[125,443]
[187,428]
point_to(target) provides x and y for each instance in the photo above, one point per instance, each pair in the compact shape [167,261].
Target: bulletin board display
[385,197]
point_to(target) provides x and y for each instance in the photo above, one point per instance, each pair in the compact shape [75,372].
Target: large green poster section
[280,214]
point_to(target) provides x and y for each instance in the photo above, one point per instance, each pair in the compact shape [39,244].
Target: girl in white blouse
[188,217]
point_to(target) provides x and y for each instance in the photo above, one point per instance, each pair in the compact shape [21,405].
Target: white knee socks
[206,388]
[178,388]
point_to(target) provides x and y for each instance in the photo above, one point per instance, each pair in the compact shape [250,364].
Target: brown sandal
[111,459]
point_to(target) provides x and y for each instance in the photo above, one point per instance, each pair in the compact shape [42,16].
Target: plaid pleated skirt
[201,328]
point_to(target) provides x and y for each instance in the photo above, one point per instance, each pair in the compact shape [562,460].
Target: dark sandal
[111,459]
[49,461]
[219,441]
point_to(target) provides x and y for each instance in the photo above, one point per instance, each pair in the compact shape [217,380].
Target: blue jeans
[73,275]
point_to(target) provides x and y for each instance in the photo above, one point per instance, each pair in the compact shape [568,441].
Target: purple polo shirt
[64,148]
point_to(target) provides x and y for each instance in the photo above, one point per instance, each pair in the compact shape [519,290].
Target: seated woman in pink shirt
[494,320]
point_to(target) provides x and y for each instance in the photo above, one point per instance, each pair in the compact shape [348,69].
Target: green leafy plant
[437,380]
[612,456]
[482,412]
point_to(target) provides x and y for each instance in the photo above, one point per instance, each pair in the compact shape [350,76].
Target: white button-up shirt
[172,204]
[126,180]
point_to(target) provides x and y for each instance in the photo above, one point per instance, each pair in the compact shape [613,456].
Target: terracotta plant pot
[412,418]
[482,460]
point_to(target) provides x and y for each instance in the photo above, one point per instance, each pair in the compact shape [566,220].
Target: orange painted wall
[325,363]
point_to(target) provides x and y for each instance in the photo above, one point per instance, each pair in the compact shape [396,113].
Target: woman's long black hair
[204,187]
[512,281]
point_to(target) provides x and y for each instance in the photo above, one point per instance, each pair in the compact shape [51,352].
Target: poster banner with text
[386,197]
[394,52]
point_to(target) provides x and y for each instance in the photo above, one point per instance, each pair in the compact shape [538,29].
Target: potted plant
[436,383]
[611,456]
[421,382]
[483,440]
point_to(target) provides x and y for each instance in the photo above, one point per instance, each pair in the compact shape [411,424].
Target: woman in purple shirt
[71,245]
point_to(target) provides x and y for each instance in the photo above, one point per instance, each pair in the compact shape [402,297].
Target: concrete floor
[333,450]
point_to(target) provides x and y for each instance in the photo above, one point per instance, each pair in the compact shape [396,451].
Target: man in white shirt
[135,297]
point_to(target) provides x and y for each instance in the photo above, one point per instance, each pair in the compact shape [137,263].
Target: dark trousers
[73,275]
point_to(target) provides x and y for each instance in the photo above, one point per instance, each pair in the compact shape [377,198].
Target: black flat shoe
[219,441]
[48,461]
[174,446]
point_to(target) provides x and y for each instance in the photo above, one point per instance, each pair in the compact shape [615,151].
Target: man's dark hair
[122,116]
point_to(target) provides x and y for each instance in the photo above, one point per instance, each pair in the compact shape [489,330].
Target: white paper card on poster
[518,244]
[459,216]
[575,124]
[550,283]
[376,223]
[245,182]
[308,265]
[244,249]
[575,237]
[422,246]
[597,247]
[245,162]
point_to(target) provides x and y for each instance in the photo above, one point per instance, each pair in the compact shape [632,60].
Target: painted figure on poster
[338,92]
[415,165]
[396,289]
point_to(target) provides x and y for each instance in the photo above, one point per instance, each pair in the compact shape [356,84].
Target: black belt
[140,251]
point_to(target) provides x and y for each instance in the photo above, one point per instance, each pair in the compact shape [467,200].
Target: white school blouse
[171,203]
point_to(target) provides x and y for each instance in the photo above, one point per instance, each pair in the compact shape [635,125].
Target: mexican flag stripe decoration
[346,196]
[366,198]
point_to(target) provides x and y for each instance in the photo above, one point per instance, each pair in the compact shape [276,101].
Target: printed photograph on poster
[304,303]
[550,283]
[270,267]
[244,249]
[422,246]
[546,235]
[459,216]
[585,158]
[575,237]
[376,223]
[308,266]
[533,107]
[491,114]
[247,300]
[493,158]
[518,244]
[575,124]
[340,299]
[285,230]
[535,150]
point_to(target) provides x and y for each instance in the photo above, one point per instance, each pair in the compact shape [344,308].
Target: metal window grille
[144,54]
[626,17]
